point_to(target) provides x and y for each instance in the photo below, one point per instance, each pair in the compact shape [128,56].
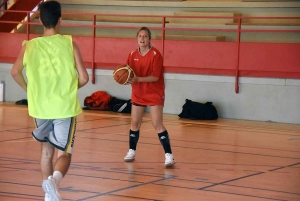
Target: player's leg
[157,121]
[43,129]
[62,165]
[137,112]
[46,160]
[47,165]
[62,138]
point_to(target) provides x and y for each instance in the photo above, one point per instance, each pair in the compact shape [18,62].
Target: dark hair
[50,12]
[144,29]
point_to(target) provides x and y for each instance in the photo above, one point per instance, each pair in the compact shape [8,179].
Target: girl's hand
[133,80]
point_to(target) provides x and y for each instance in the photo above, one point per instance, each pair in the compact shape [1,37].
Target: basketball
[122,74]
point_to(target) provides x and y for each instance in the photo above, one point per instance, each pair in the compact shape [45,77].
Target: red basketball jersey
[151,64]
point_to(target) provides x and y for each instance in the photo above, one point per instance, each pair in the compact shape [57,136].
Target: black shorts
[138,104]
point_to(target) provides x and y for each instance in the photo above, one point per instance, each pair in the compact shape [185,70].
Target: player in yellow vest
[54,70]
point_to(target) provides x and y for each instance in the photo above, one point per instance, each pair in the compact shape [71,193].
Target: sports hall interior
[242,55]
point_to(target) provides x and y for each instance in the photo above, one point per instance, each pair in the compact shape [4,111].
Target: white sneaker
[169,160]
[130,156]
[47,197]
[50,188]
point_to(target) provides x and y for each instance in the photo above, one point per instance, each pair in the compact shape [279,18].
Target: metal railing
[162,27]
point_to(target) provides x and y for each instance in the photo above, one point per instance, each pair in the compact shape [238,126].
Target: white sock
[57,176]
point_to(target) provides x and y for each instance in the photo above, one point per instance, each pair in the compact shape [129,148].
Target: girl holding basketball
[148,89]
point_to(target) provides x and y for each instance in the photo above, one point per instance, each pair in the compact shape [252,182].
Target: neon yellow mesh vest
[52,77]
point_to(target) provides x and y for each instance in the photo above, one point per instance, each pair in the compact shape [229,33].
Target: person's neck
[50,32]
[144,50]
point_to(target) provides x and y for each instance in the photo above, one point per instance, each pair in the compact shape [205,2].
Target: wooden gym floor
[222,160]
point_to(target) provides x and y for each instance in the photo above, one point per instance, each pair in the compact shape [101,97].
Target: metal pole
[94,41]
[238,56]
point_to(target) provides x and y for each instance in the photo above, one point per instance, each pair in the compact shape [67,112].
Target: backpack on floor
[98,100]
[121,106]
[198,111]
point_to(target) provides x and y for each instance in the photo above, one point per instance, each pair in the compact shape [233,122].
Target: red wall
[217,58]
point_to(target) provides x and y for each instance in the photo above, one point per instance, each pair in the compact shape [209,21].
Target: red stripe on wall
[275,57]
